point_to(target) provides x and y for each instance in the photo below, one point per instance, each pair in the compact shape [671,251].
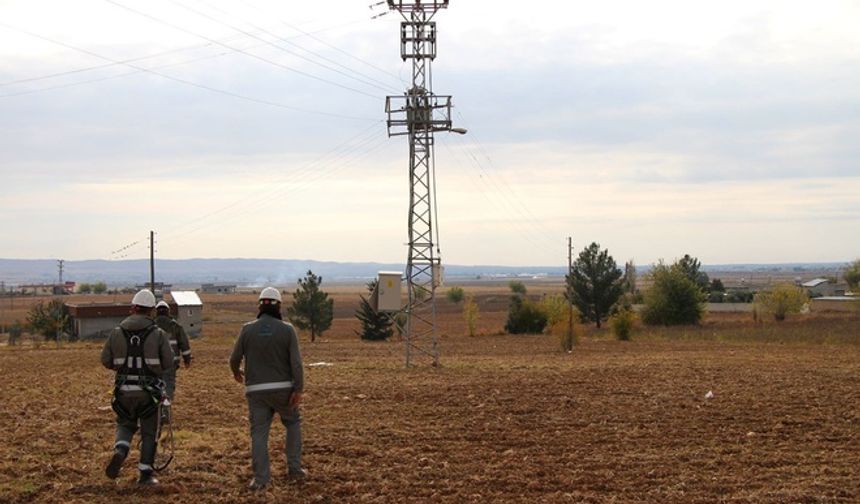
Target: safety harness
[135,375]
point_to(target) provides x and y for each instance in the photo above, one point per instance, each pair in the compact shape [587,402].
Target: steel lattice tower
[419,113]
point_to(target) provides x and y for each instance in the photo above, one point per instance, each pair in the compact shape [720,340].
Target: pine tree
[375,325]
[594,284]
[311,309]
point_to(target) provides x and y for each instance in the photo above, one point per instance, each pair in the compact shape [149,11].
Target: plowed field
[505,419]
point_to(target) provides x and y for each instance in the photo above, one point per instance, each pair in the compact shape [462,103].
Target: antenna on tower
[419,113]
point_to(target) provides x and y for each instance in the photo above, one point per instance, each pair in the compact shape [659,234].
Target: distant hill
[255,272]
[238,271]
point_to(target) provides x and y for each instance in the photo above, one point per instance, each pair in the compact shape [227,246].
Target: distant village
[91,320]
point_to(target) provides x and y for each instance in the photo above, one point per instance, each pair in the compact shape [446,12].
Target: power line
[184,81]
[524,209]
[321,41]
[375,82]
[481,184]
[149,56]
[240,51]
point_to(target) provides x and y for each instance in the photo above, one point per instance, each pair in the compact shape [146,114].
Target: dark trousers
[125,429]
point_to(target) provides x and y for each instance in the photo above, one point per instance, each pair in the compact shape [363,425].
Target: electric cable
[187,82]
[240,51]
[374,82]
[321,41]
[149,56]
[523,208]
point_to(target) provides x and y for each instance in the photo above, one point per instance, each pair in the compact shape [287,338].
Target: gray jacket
[156,349]
[270,348]
[178,339]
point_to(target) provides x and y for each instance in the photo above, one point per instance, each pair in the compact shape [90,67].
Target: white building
[189,311]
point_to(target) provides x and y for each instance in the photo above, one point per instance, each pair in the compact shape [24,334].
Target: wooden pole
[569,290]
[152,262]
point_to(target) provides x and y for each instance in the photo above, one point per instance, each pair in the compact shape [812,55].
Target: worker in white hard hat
[139,352]
[274,382]
[180,346]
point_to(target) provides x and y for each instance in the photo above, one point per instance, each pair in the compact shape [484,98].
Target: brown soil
[506,418]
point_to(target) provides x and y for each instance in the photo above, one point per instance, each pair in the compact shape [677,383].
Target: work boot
[297,476]
[256,486]
[116,460]
[147,478]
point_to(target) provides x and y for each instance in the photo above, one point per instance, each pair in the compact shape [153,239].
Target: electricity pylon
[419,113]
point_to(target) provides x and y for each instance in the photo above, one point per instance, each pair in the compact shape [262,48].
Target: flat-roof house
[823,287]
[188,311]
[96,320]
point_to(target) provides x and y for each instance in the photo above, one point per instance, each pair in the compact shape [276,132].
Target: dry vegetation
[507,418]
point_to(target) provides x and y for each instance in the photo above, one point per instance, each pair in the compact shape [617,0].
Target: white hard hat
[143,298]
[162,304]
[270,293]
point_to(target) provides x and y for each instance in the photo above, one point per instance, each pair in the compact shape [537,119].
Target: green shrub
[525,316]
[783,299]
[622,324]
[568,331]
[15,331]
[455,294]
[673,298]
[517,287]
[471,314]
[555,307]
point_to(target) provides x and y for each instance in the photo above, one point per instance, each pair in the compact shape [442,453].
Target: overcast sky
[255,128]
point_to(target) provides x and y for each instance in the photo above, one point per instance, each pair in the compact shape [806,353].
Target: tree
[691,266]
[375,325]
[628,283]
[517,287]
[717,285]
[49,320]
[85,288]
[311,309]
[99,288]
[673,298]
[783,299]
[852,275]
[471,314]
[455,294]
[594,283]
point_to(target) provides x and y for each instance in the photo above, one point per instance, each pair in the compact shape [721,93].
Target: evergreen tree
[311,309]
[691,267]
[594,283]
[375,325]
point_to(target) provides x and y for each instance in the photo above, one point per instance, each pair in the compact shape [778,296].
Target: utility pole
[569,290]
[58,290]
[419,113]
[152,262]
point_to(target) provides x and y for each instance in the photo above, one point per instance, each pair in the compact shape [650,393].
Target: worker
[180,346]
[139,352]
[273,382]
